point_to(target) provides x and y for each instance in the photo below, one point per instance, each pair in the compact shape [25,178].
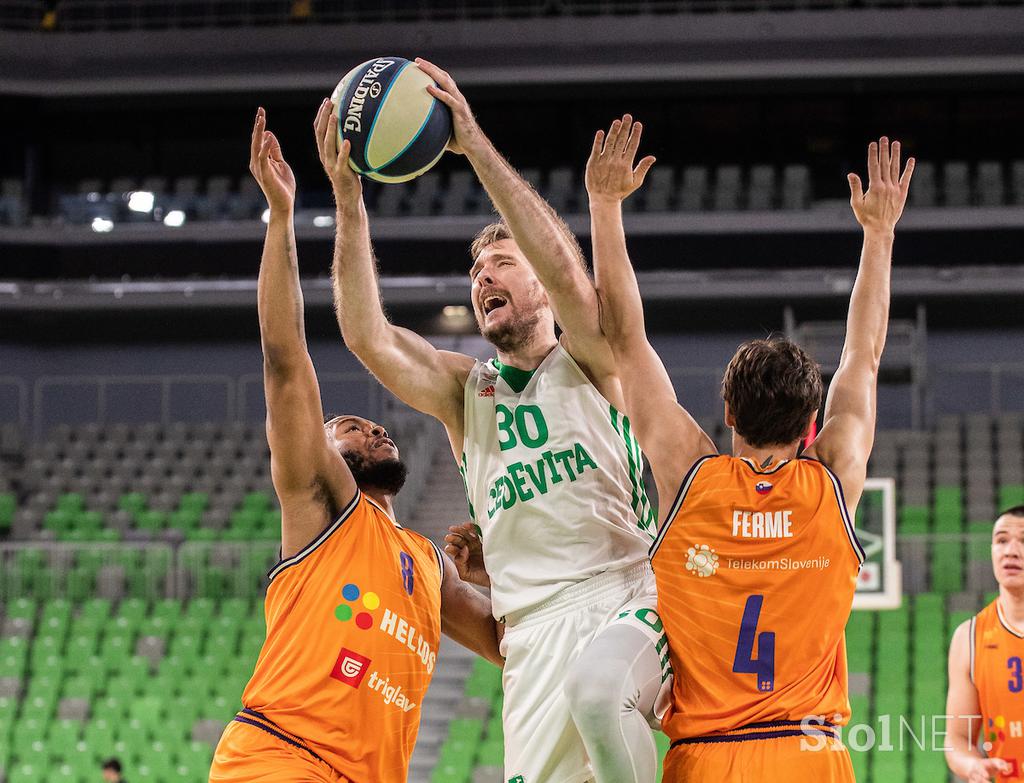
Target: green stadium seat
[8,506]
[491,753]
[133,502]
[913,520]
[947,568]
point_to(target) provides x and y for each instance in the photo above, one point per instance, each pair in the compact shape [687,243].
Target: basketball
[397,129]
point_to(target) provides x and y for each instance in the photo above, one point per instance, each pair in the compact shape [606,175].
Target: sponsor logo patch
[350,668]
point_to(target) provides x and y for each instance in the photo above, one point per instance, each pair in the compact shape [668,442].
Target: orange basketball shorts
[249,752]
[780,760]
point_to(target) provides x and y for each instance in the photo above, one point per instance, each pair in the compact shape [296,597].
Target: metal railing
[95,15]
[79,571]
[102,392]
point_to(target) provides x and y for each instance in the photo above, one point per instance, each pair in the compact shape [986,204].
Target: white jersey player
[553,473]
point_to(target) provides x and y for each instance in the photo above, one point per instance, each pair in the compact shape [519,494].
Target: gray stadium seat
[658,190]
[761,191]
[559,189]
[1017,185]
[989,184]
[427,188]
[727,189]
[796,187]
[693,189]
[956,185]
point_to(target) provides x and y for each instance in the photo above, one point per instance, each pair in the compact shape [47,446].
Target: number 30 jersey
[756,573]
[554,479]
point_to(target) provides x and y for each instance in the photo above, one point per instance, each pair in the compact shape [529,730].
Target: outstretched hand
[610,173]
[466,133]
[345,182]
[988,769]
[269,168]
[463,546]
[881,207]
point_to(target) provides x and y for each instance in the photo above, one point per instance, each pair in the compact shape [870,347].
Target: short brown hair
[771,387]
[488,235]
[495,232]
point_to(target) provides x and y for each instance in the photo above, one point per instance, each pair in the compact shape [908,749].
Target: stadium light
[140,201]
[455,311]
[265,217]
[174,218]
[323,221]
[102,225]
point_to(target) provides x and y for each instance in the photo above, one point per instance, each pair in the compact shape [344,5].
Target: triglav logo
[350,668]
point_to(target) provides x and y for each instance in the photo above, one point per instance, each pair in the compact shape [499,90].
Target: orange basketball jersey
[756,573]
[997,649]
[353,626]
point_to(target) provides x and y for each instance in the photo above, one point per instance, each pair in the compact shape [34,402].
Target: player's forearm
[962,758]
[540,233]
[868,319]
[357,304]
[279,295]
[622,310]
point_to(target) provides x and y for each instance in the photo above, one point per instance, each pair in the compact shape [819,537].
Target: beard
[514,332]
[388,474]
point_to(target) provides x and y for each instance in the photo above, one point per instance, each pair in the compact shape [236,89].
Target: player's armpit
[848,432]
[466,616]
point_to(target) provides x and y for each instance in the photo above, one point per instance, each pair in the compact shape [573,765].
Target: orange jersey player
[356,606]
[756,559]
[986,673]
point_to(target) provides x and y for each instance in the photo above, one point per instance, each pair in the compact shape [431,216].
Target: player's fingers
[598,147]
[613,136]
[254,142]
[442,95]
[275,147]
[436,73]
[894,163]
[331,148]
[873,163]
[856,190]
[640,172]
[320,126]
[623,138]
[908,172]
[883,159]
[633,143]
[344,152]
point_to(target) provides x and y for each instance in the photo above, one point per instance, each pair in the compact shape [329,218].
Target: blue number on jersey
[744,663]
[407,572]
[1013,664]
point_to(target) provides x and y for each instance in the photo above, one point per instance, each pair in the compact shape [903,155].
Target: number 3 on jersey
[744,663]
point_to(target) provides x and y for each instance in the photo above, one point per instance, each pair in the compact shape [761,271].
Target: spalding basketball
[398,130]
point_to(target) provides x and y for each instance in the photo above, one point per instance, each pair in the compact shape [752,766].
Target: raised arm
[311,479]
[429,380]
[543,237]
[964,714]
[669,436]
[466,616]
[848,431]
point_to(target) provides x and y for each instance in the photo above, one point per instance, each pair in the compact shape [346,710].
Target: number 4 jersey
[756,573]
[554,479]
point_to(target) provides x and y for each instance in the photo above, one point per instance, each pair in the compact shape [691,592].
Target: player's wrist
[879,233]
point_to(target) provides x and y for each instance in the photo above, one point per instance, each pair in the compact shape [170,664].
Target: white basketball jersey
[554,479]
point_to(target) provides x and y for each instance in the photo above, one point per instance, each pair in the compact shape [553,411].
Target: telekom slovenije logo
[350,667]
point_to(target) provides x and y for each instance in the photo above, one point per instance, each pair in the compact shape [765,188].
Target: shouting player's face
[369,453]
[508,299]
[1008,551]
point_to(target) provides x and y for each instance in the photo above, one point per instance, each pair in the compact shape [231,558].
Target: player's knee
[597,691]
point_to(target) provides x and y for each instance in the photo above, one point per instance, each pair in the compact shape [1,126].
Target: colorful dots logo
[344,612]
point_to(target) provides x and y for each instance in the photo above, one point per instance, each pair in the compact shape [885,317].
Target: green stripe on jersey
[645,516]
